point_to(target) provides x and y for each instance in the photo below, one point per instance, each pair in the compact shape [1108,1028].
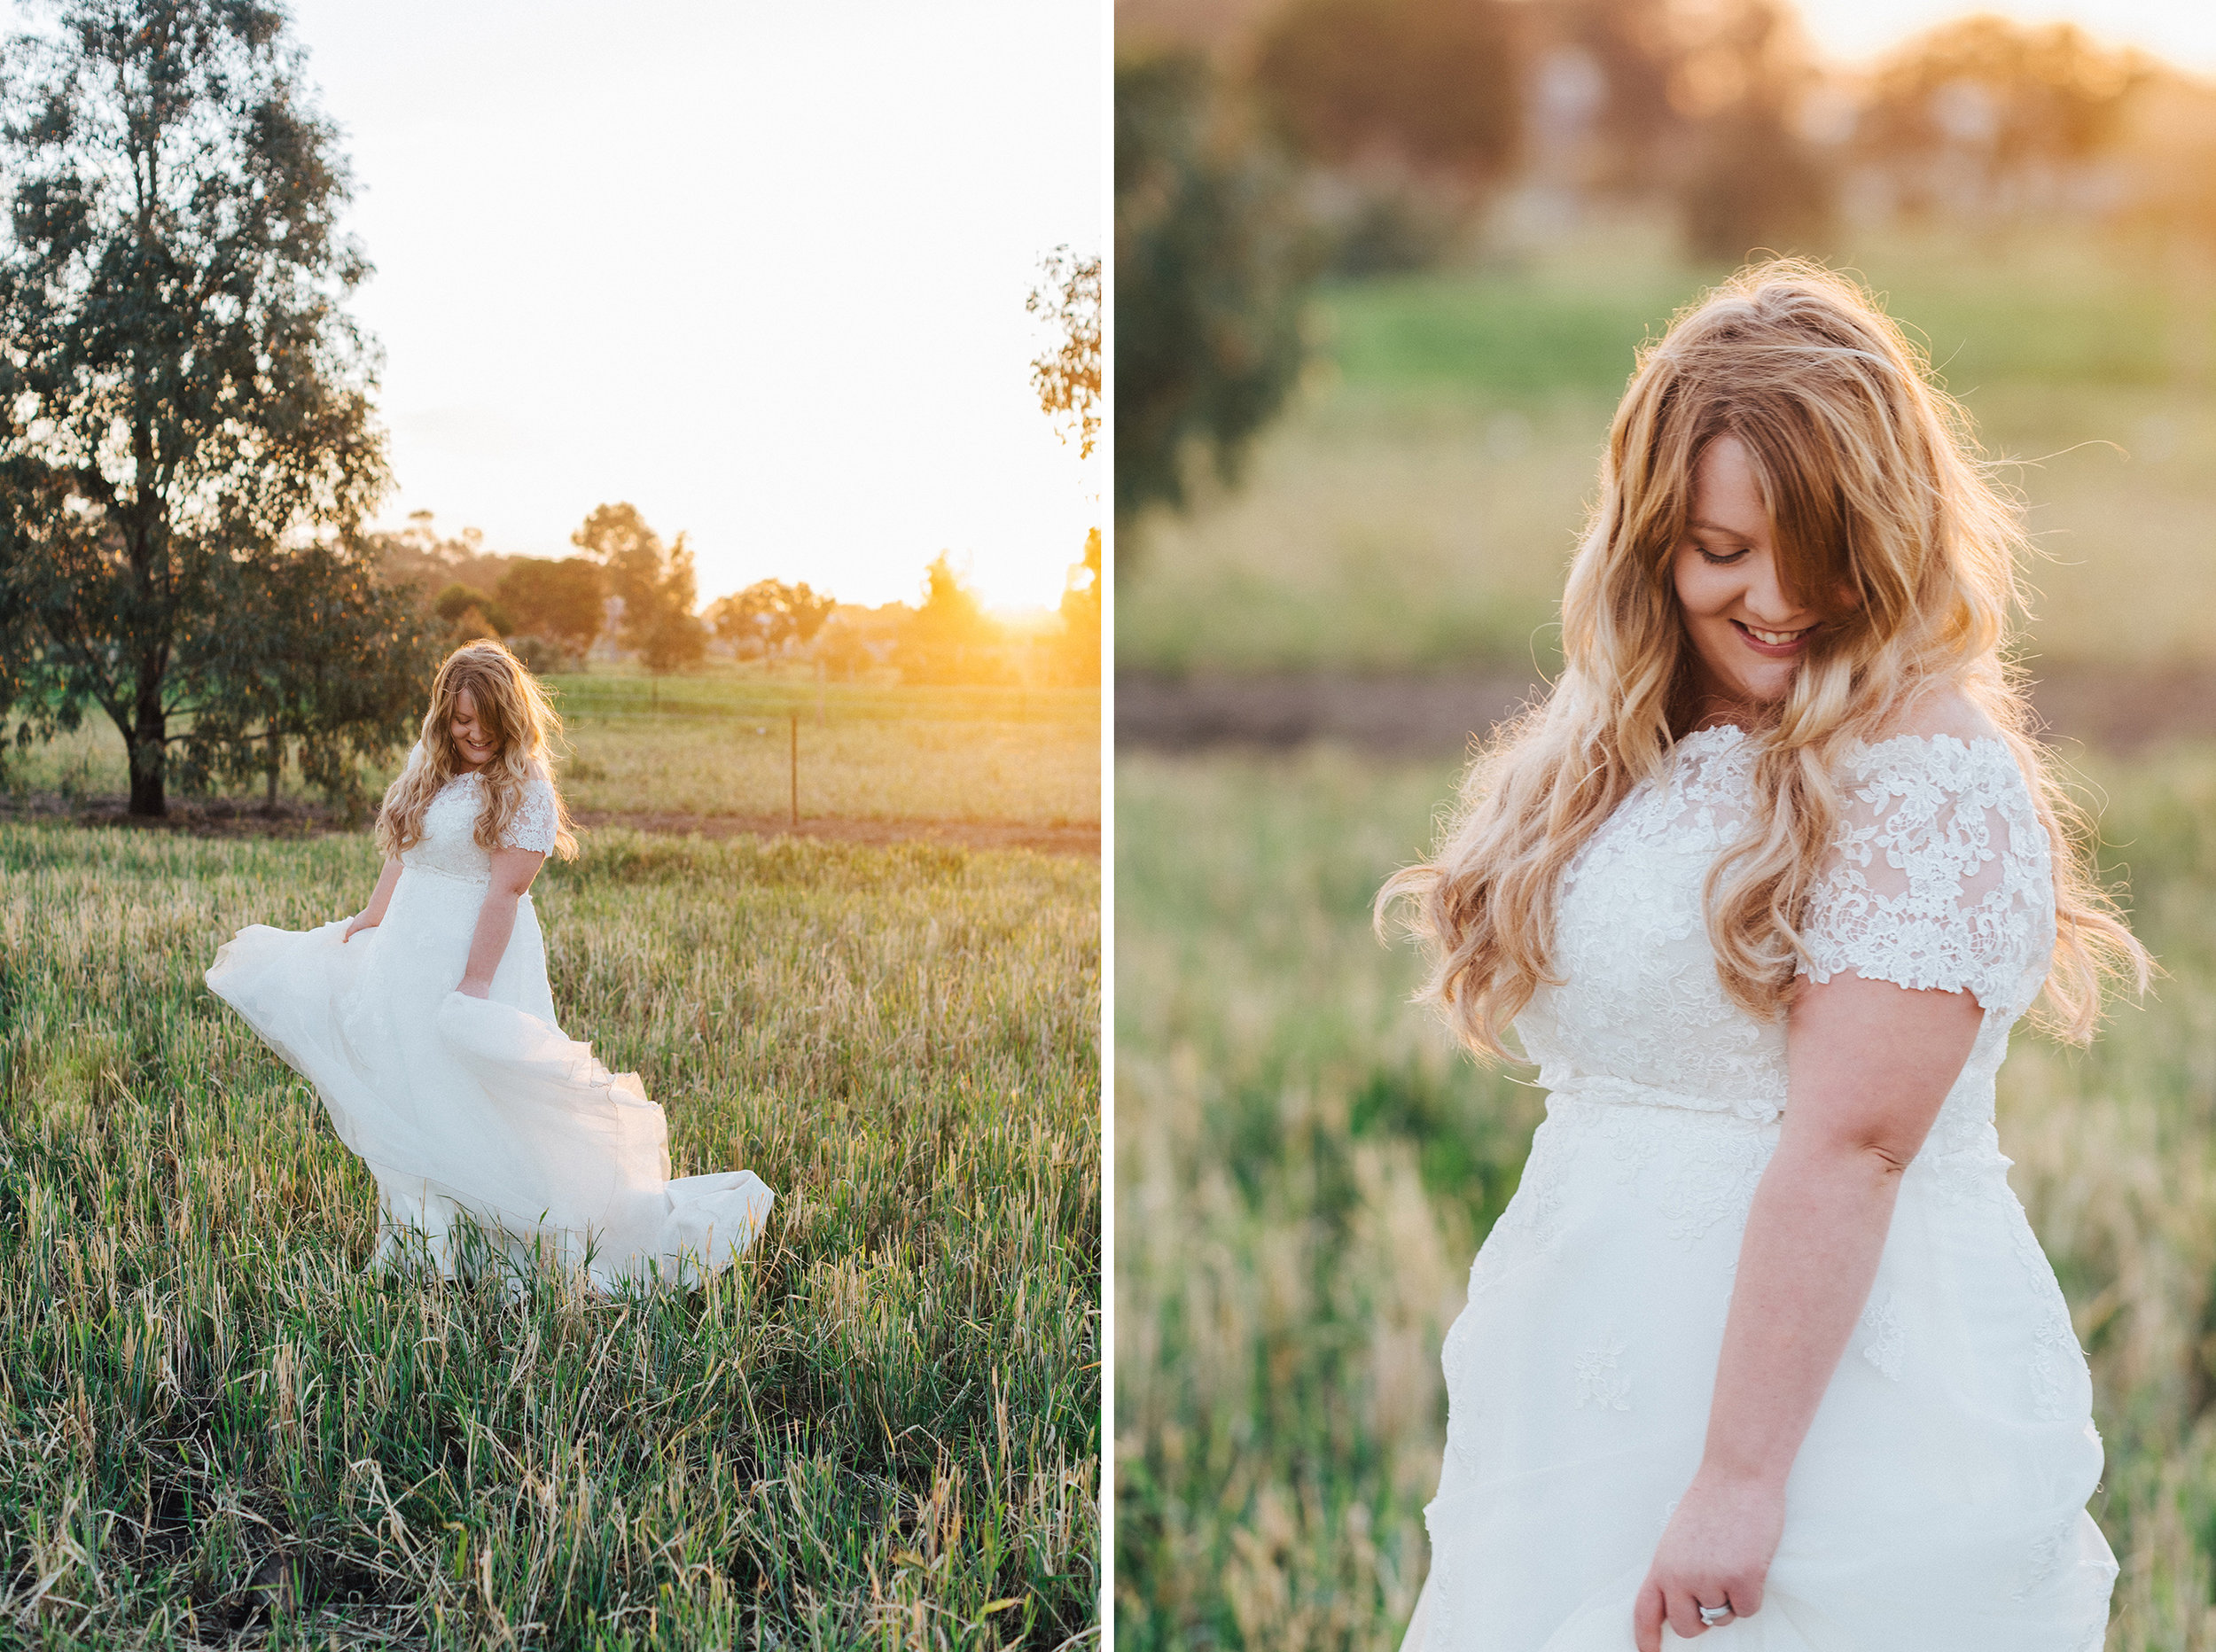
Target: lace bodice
[1940,876]
[449,845]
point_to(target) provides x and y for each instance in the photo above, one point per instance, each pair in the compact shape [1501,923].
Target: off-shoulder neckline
[1867,745]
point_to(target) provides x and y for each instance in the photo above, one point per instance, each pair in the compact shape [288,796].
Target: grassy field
[714,745]
[1415,510]
[881,1427]
[1305,1168]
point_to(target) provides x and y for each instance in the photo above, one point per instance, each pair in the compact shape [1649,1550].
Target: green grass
[615,691]
[1416,512]
[1305,1167]
[719,746]
[880,1428]
[2037,308]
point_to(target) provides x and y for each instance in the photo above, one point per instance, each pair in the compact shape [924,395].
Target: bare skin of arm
[1868,1063]
[374,914]
[512,872]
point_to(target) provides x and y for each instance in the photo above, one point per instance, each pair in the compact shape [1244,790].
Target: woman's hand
[471,988]
[372,915]
[1715,1552]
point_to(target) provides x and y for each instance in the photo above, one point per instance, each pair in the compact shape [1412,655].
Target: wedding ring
[1711,1616]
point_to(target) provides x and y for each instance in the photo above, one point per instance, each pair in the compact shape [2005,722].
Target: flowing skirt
[1938,1500]
[480,1119]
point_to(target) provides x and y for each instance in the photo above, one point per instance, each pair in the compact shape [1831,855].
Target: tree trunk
[277,765]
[147,751]
[146,740]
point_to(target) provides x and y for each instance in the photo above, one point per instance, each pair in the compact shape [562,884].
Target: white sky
[2183,31]
[758,269]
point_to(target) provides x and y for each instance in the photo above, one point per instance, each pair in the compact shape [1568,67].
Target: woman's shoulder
[1941,736]
[1945,711]
[1943,778]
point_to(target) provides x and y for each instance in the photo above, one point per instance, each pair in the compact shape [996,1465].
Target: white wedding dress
[1938,1500]
[480,1108]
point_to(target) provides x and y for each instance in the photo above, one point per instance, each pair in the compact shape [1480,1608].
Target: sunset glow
[759,271]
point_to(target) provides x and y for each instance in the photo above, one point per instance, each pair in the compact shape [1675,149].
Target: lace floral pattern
[1944,876]
[1887,1340]
[1599,1380]
[449,845]
[534,825]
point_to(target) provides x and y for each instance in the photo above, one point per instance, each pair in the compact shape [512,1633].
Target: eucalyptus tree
[325,662]
[654,582]
[183,400]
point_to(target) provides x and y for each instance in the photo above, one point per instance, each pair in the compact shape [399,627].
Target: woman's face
[1748,635]
[472,738]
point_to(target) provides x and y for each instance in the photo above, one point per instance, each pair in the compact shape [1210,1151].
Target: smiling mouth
[1774,639]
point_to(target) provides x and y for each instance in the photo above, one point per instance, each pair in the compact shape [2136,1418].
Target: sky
[2182,31]
[758,268]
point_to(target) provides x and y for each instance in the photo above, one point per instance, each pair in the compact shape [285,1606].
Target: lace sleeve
[536,819]
[1941,875]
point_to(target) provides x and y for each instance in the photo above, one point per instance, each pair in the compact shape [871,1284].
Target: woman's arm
[512,872]
[1868,1065]
[374,914]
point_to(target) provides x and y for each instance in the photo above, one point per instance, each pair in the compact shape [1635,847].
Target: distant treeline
[626,595]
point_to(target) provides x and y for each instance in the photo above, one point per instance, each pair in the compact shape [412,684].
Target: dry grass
[879,1427]
[1037,773]
[714,748]
[1305,1168]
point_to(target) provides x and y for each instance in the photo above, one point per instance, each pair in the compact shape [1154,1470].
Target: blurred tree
[950,638]
[842,647]
[322,655]
[1077,651]
[1983,114]
[1634,46]
[1068,379]
[471,612]
[563,600]
[1432,86]
[1705,103]
[1415,108]
[669,636]
[181,397]
[1753,179]
[770,614]
[653,583]
[1213,267]
[419,555]
[21,652]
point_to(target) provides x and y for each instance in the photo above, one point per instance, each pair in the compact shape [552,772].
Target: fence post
[796,768]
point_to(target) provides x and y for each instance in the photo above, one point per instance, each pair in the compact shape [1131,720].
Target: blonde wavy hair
[514,711]
[1886,521]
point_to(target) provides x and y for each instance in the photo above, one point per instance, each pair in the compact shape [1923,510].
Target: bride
[1763,1345]
[425,1024]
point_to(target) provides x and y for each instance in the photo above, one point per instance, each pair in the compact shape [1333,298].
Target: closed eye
[1722,559]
